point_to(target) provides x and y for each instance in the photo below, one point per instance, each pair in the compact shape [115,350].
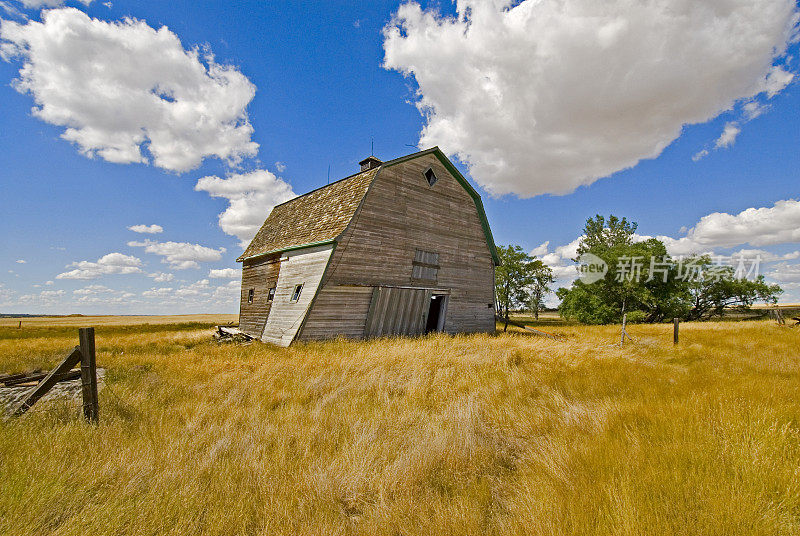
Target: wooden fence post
[624,322]
[676,322]
[91,408]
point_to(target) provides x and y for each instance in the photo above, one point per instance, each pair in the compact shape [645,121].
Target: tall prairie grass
[506,434]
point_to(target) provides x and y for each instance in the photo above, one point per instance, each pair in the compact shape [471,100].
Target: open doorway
[436,312]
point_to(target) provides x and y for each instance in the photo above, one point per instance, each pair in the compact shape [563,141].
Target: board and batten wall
[299,267]
[338,311]
[399,215]
[260,275]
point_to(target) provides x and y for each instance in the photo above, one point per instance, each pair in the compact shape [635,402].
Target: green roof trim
[289,248]
[476,198]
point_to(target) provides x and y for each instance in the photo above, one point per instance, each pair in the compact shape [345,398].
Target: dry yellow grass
[507,434]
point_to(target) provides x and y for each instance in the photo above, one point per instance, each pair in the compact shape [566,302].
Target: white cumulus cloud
[102,295]
[121,87]
[728,136]
[560,262]
[161,277]
[163,292]
[7,296]
[180,255]
[200,296]
[540,250]
[37,4]
[195,289]
[91,289]
[777,80]
[732,129]
[251,197]
[543,96]
[146,229]
[786,273]
[112,263]
[761,226]
[44,298]
[225,273]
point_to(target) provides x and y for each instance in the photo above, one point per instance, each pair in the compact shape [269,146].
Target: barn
[400,248]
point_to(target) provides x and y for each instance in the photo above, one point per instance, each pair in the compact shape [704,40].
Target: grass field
[506,434]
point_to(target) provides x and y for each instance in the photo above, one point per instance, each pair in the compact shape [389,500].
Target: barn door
[397,311]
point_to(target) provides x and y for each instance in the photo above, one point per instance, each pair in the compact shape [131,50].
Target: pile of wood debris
[231,334]
[29,379]
[14,387]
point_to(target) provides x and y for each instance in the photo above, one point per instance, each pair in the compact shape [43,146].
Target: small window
[296,293]
[271,294]
[427,273]
[250,294]
[426,257]
[431,177]
[425,265]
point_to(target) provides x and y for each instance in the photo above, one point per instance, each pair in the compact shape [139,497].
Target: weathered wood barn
[400,248]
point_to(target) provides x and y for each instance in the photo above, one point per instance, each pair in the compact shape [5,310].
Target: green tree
[542,279]
[719,288]
[512,279]
[644,280]
[638,279]
[581,304]
[601,235]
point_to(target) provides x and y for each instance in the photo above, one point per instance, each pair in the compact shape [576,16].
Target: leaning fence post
[55,375]
[91,409]
[676,322]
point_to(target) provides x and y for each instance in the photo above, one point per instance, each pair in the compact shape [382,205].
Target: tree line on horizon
[659,292]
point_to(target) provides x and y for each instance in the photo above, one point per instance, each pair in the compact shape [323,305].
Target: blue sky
[328,80]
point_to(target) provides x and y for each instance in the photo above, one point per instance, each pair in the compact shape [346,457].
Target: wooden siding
[402,214]
[337,311]
[260,276]
[303,266]
[398,311]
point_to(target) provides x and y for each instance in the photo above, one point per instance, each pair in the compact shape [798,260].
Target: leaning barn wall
[300,267]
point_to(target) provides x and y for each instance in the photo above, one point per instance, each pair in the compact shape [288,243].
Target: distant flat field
[110,320]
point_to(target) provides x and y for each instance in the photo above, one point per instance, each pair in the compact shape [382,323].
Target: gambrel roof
[316,217]
[321,215]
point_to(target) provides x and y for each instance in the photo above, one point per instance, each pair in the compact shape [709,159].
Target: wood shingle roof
[321,215]
[318,216]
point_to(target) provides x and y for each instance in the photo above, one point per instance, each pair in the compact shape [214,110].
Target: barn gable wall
[399,215]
